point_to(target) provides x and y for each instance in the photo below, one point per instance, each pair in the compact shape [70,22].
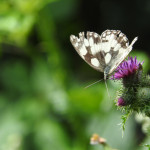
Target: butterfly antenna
[105,79]
[93,83]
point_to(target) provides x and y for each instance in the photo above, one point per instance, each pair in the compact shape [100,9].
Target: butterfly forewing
[88,48]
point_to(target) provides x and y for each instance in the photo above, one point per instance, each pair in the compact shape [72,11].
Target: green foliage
[124,119]
[17,18]
[146,145]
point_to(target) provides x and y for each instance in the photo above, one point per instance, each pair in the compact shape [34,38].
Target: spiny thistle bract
[135,92]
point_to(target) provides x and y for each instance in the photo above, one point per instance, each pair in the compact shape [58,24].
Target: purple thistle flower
[121,102]
[127,68]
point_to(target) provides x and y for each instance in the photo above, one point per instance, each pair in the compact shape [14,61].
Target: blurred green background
[43,103]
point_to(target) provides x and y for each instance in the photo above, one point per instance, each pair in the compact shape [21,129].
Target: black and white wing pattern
[88,48]
[104,53]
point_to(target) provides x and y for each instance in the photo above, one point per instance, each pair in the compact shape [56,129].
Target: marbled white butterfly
[103,53]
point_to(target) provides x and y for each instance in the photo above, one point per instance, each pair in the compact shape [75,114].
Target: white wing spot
[76,44]
[93,50]
[117,47]
[105,47]
[83,51]
[95,62]
[120,34]
[90,33]
[91,41]
[122,50]
[124,38]
[104,34]
[95,35]
[108,32]
[80,34]
[86,43]
[78,40]
[72,37]
[107,58]
[113,43]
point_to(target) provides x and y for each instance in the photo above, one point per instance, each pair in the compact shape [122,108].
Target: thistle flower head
[121,102]
[127,68]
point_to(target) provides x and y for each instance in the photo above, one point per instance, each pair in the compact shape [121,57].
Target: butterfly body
[103,52]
